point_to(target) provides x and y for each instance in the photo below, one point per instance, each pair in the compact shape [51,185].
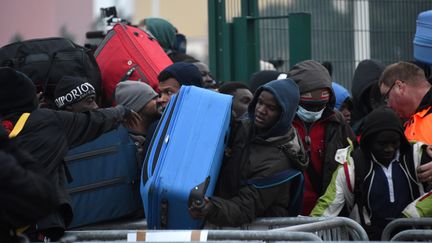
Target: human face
[86,104]
[166,89]
[241,100]
[347,114]
[151,109]
[396,97]
[384,145]
[267,111]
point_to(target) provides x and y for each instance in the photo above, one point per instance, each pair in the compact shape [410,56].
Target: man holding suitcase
[262,177]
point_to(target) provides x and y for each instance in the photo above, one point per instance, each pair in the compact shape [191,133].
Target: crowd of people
[300,143]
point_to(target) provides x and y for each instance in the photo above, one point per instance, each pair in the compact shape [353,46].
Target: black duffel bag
[47,60]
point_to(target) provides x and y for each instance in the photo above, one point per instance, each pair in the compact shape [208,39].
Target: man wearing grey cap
[141,98]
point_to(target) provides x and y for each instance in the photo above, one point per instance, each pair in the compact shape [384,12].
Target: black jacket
[48,135]
[25,195]
[258,157]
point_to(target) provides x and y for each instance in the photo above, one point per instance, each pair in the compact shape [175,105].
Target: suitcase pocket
[97,185]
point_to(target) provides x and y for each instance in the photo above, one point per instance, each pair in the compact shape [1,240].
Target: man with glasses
[406,90]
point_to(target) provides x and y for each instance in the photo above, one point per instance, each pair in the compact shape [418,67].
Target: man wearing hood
[365,91]
[265,147]
[322,129]
[377,181]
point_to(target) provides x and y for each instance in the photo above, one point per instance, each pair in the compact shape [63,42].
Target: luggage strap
[19,125]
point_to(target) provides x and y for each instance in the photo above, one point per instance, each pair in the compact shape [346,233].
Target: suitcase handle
[197,194]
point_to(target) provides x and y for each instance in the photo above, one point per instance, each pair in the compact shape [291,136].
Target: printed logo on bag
[75,94]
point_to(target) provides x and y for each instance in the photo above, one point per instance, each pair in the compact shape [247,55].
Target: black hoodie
[364,89]
[239,201]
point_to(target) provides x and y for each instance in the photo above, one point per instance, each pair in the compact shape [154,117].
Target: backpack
[45,61]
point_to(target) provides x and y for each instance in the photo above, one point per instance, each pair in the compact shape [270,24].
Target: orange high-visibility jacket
[419,126]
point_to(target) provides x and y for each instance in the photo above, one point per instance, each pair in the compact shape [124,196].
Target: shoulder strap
[273,180]
[359,172]
[19,125]
[297,187]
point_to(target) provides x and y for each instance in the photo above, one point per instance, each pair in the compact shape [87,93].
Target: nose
[162,99]
[260,109]
[389,148]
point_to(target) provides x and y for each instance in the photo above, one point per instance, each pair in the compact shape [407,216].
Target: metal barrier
[413,235]
[332,229]
[271,223]
[211,235]
[327,228]
[396,224]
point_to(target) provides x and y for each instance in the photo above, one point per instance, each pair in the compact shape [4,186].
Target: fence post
[244,48]
[299,37]
[219,40]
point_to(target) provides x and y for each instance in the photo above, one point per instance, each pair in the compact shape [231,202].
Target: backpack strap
[297,188]
[19,125]
[359,174]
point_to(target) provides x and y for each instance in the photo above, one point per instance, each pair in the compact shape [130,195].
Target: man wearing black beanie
[174,76]
[47,135]
[75,94]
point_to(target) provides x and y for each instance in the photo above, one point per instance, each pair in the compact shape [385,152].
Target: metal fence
[327,228]
[262,229]
[343,32]
[408,228]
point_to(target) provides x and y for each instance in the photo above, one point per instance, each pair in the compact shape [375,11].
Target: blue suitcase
[184,159]
[423,38]
[105,178]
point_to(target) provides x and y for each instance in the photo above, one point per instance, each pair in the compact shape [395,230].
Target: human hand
[200,211]
[424,172]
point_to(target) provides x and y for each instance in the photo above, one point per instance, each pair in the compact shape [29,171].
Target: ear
[401,86]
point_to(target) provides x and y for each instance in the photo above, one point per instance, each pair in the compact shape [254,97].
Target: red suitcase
[129,53]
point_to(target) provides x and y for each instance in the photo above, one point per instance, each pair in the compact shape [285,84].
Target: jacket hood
[287,95]
[365,76]
[163,31]
[382,119]
[311,75]
[341,94]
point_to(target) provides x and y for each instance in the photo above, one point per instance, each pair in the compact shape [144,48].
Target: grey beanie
[134,94]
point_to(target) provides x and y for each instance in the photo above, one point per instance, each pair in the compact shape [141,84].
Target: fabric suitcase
[423,38]
[45,61]
[184,159]
[129,53]
[105,178]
